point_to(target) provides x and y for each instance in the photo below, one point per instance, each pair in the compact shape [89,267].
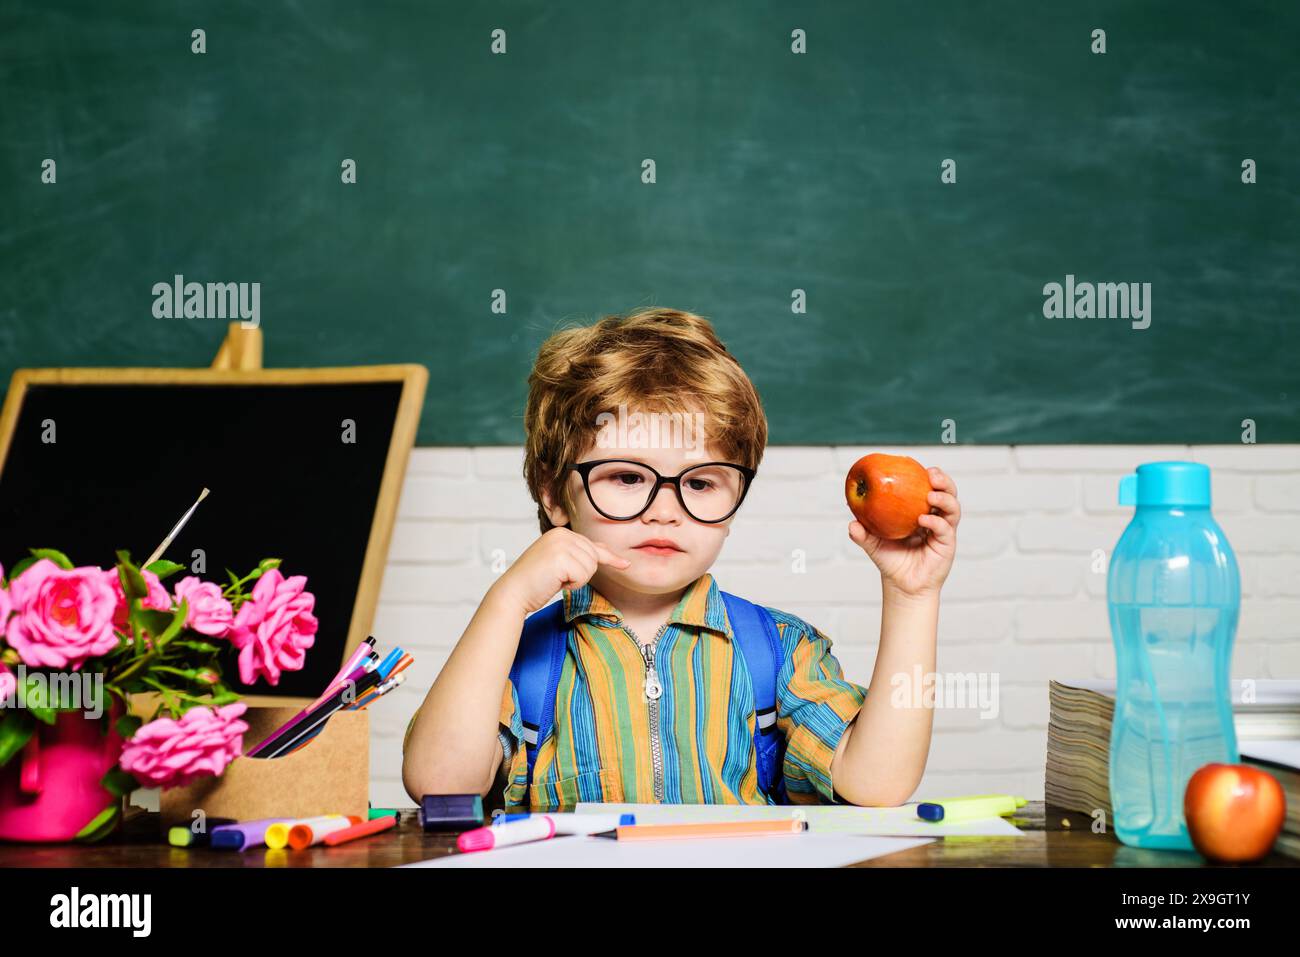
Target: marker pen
[237,837]
[536,828]
[566,822]
[277,835]
[968,808]
[303,834]
[373,826]
[182,836]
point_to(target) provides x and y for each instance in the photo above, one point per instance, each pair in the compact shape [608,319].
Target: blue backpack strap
[756,633]
[536,674]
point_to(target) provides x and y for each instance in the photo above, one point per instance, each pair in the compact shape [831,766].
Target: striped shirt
[600,746]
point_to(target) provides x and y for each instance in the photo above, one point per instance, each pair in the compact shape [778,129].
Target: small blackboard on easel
[305,465]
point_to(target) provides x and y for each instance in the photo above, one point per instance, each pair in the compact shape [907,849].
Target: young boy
[654,705]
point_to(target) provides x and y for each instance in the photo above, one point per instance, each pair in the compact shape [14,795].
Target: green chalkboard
[775,171]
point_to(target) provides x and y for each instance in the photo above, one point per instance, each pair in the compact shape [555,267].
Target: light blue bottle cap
[1167,483]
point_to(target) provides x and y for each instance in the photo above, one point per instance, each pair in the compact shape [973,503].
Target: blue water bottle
[1174,592]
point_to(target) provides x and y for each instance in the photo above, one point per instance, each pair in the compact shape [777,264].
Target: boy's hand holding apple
[906,520]
[560,558]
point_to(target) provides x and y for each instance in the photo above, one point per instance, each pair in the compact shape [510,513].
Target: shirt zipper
[653,691]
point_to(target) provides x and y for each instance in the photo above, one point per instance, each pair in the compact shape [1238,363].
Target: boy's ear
[556,513]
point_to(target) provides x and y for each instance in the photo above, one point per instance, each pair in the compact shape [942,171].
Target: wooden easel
[238,361]
[241,349]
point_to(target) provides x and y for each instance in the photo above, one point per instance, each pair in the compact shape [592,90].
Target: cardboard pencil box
[330,775]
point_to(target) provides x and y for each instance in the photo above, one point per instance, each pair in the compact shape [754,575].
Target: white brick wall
[1022,600]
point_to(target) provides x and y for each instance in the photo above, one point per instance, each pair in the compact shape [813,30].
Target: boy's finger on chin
[606,554]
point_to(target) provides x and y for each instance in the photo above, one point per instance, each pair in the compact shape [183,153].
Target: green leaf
[36,698]
[54,555]
[173,629]
[234,579]
[228,697]
[266,564]
[133,615]
[165,569]
[133,583]
[16,728]
[119,782]
[22,566]
[102,824]
[155,622]
[128,725]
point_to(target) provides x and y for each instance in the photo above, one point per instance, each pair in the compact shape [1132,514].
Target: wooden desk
[1052,838]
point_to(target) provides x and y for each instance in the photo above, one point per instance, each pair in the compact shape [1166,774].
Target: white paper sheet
[822,818]
[781,850]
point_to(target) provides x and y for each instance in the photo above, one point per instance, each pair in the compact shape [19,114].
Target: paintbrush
[157,552]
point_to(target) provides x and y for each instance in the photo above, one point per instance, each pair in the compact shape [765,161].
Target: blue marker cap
[623,819]
[929,812]
[389,662]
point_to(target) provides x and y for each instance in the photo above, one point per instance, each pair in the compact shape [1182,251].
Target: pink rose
[157,599]
[169,753]
[62,616]
[209,613]
[274,628]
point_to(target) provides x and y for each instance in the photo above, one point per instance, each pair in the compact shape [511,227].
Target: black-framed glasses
[621,489]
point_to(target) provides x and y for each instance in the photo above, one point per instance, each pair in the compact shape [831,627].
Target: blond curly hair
[653,360]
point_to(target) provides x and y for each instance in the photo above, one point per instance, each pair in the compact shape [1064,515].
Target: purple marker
[246,834]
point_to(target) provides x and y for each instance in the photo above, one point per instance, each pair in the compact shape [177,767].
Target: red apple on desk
[887,493]
[1234,812]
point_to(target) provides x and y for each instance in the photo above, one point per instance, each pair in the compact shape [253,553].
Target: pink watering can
[50,790]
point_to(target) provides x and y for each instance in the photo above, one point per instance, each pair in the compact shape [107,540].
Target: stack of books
[1266,713]
[1280,758]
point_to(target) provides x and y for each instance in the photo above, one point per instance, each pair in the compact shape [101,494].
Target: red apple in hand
[1234,812]
[887,493]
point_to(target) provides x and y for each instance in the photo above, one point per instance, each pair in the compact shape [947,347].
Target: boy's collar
[701,605]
